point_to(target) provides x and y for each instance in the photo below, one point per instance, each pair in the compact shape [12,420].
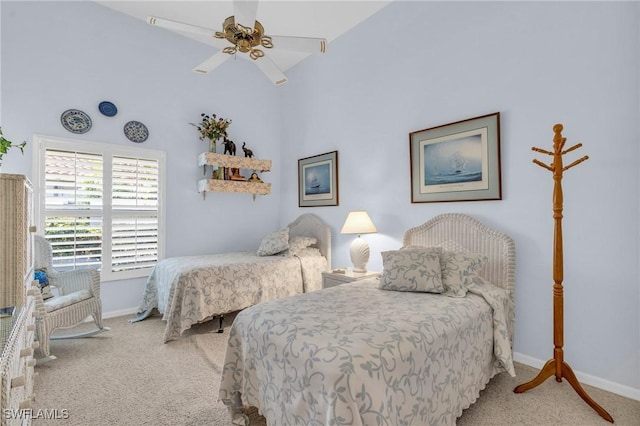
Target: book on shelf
[7,312]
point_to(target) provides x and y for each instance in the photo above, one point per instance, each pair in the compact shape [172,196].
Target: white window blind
[101,206]
[135,220]
[73,201]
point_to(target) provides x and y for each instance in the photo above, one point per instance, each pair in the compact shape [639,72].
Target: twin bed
[357,354]
[193,289]
[415,346]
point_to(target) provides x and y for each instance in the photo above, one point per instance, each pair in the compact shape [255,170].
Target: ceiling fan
[242,33]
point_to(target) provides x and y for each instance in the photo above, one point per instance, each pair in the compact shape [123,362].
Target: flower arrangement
[212,127]
[6,144]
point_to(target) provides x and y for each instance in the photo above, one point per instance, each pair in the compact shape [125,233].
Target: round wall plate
[76,121]
[107,108]
[136,132]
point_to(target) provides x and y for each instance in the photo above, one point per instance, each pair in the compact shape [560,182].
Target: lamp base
[359,253]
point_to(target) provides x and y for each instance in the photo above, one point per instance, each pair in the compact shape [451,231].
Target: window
[101,205]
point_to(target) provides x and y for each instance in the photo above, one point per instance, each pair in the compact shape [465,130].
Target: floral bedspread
[188,290]
[357,355]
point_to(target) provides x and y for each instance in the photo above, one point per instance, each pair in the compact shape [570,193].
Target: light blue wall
[411,66]
[60,55]
[421,64]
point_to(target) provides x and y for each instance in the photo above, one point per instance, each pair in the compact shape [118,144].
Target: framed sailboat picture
[318,180]
[456,162]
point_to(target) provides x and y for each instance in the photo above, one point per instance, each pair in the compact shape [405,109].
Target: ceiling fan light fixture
[231,50]
[244,45]
[236,33]
[256,53]
[266,42]
[245,34]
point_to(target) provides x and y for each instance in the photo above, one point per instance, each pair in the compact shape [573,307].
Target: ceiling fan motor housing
[244,38]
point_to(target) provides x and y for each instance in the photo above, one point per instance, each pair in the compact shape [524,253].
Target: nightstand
[333,278]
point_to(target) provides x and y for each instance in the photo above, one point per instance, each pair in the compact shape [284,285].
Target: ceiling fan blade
[271,70]
[179,26]
[300,44]
[244,12]
[211,63]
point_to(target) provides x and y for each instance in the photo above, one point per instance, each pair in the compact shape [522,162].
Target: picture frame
[458,161]
[318,180]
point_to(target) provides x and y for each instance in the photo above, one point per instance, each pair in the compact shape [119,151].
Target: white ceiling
[322,18]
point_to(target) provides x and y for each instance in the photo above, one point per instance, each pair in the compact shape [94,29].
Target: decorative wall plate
[107,108]
[136,132]
[75,121]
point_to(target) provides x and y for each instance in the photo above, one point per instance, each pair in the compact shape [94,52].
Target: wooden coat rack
[557,366]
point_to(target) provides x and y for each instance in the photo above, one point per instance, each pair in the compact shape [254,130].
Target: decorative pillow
[458,269]
[412,269]
[274,243]
[308,252]
[298,243]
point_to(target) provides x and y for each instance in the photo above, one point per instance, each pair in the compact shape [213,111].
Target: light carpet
[127,376]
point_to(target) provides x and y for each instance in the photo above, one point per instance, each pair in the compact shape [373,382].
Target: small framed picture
[318,180]
[456,162]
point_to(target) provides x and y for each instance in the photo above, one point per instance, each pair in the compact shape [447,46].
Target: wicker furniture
[16,212]
[16,275]
[222,184]
[79,297]
[17,367]
[463,233]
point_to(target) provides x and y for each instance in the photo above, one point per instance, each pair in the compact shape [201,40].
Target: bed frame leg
[220,329]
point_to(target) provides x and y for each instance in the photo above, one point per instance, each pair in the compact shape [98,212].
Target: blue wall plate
[136,132]
[107,108]
[75,121]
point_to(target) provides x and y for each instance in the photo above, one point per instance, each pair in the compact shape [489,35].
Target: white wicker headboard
[310,225]
[459,232]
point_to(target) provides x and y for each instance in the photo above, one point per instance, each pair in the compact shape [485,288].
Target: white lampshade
[359,222]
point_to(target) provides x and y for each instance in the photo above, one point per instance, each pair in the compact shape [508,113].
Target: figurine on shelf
[247,152]
[254,178]
[229,146]
[214,175]
[235,174]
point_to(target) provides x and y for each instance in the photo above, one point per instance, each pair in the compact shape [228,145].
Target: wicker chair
[78,297]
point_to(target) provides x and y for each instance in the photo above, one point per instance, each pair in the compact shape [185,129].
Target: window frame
[108,151]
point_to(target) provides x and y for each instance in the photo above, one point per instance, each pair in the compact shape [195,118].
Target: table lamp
[358,222]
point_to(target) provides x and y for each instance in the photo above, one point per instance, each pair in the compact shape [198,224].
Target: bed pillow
[274,243]
[299,243]
[412,269]
[458,269]
[308,252]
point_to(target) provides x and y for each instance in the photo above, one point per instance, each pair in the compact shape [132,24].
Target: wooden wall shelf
[223,160]
[221,185]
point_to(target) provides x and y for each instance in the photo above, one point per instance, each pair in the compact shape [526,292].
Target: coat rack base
[561,369]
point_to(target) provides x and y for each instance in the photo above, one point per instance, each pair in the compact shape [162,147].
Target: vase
[212,145]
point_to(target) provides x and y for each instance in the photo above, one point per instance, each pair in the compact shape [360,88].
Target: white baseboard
[587,379]
[120,313]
